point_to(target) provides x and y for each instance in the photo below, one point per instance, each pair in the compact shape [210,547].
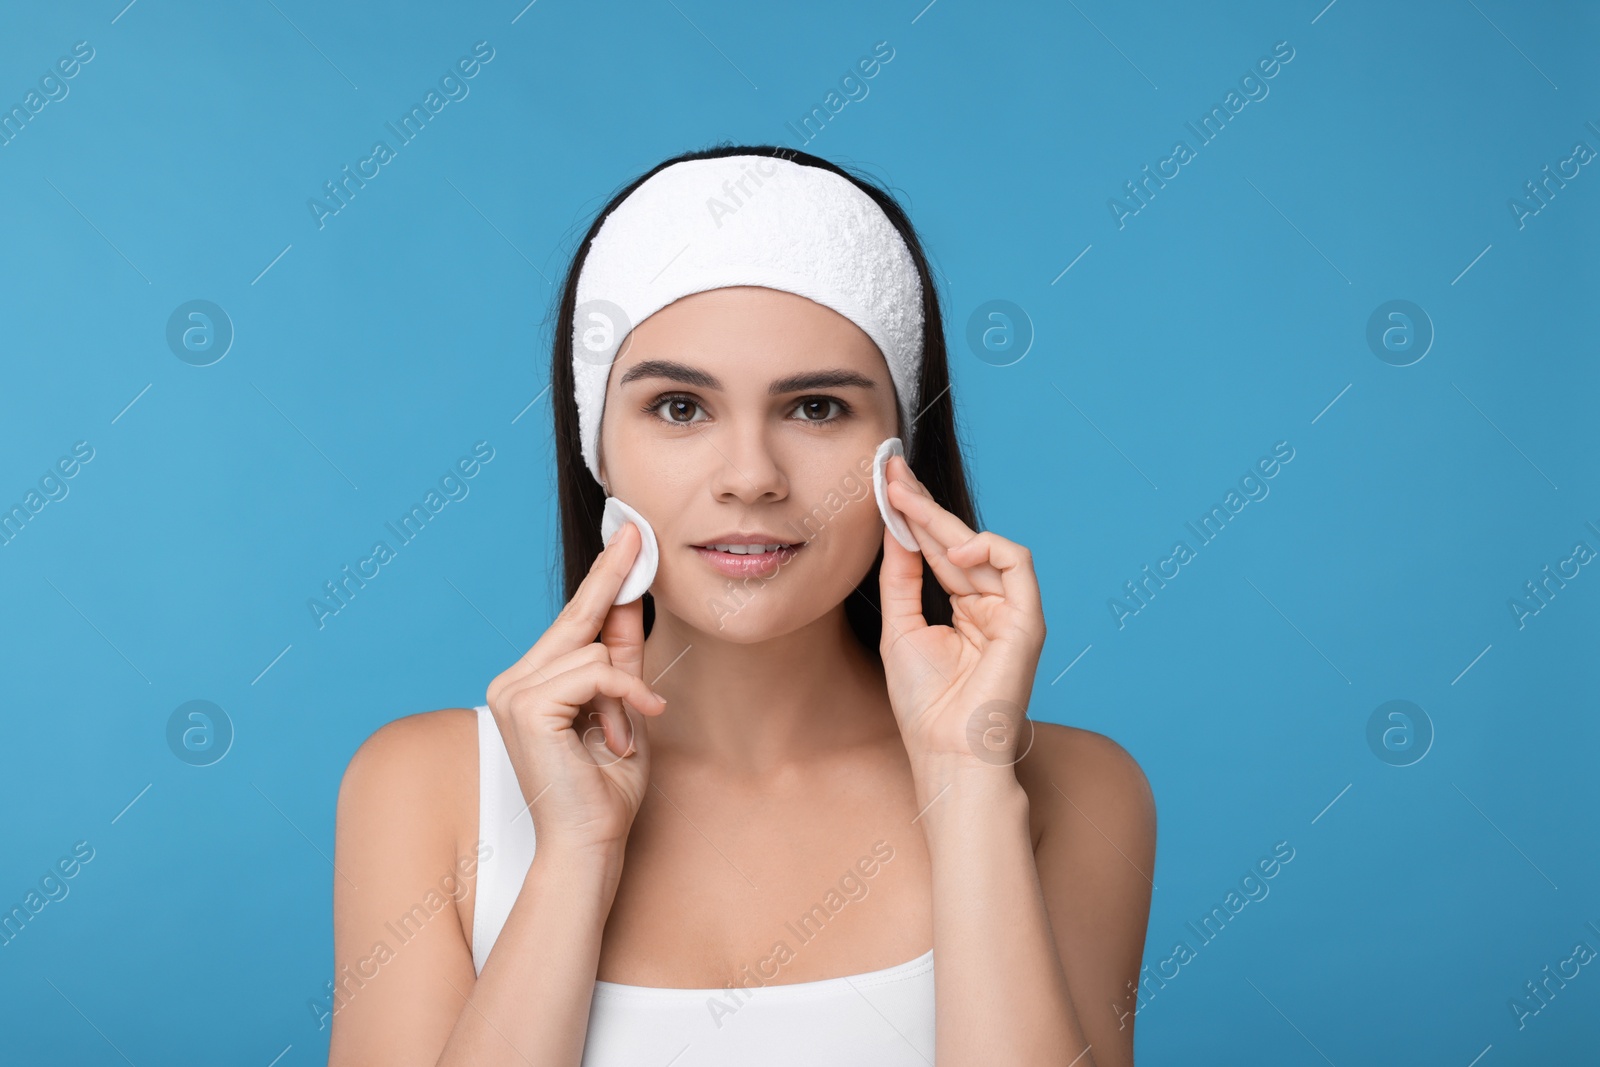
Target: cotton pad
[880,488]
[643,571]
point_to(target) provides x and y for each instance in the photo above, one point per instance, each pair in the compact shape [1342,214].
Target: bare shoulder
[1076,779]
[430,755]
[418,736]
[409,797]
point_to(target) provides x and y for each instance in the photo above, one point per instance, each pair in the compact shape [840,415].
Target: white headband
[744,220]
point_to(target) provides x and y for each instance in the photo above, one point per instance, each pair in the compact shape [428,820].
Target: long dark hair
[935,457]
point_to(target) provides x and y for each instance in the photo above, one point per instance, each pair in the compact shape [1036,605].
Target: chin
[745,612]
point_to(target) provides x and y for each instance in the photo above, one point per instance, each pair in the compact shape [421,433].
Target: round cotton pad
[643,571]
[880,488]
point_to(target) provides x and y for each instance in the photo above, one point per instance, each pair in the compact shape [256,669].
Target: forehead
[758,332]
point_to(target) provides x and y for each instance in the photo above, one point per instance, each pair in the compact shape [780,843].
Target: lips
[755,557]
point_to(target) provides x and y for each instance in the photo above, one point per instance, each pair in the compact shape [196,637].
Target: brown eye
[816,406]
[677,409]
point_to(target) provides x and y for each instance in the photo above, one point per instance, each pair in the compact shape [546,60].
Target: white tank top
[879,1018]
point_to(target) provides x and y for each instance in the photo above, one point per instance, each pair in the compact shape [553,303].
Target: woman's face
[746,414]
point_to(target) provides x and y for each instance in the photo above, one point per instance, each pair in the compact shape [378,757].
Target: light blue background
[1227,315]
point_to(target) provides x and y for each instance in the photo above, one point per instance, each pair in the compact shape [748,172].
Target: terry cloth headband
[744,220]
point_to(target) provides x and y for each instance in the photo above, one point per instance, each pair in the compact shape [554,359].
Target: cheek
[860,530]
[846,535]
[667,496]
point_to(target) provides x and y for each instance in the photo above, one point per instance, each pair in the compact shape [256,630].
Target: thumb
[623,635]
[622,632]
[900,589]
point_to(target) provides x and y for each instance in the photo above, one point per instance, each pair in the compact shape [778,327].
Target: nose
[745,469]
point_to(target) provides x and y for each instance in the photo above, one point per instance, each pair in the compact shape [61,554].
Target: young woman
[737,820]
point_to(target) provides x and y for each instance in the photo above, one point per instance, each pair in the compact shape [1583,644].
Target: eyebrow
[687,375]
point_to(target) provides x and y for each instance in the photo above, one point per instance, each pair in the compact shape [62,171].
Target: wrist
[961,796]
[592,871]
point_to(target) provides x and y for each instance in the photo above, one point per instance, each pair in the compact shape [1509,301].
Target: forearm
[530,1005]
[1002,993]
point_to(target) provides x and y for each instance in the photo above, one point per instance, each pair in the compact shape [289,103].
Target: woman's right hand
[569,712]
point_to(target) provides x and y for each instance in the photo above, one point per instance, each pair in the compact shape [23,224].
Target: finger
[601,731]
[900,590]
[585,614]
[568,692]
[1013,562]
[607,715]
[608,734]
[620,735]
[582,618]
[519,676]
[938,532]
[622,634]
[576,661]
[948,530]
[593,652]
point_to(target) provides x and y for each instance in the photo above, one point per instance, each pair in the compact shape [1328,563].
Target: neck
[756,707]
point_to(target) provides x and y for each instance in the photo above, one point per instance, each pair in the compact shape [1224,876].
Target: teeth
[746,550]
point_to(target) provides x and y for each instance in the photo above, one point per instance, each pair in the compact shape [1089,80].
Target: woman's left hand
[960,693]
